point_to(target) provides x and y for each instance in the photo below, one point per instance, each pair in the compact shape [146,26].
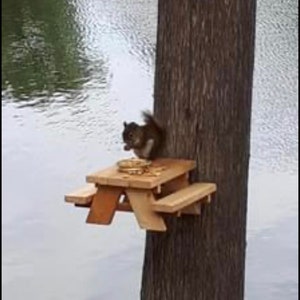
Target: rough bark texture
[203,91]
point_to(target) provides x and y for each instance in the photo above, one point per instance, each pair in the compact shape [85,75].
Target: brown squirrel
[144,140]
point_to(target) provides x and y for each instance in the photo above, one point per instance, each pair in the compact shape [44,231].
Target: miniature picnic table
[146,195]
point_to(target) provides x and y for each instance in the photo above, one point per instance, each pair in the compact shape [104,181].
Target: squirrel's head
[133,135]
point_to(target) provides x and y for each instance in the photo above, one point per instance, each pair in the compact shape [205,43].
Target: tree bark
[203,91]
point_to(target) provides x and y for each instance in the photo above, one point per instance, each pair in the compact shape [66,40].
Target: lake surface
[72,71]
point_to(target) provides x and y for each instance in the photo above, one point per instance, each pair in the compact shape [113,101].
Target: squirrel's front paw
[126,148]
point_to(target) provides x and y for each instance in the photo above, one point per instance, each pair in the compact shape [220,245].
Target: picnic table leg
[104,205]
[141,201]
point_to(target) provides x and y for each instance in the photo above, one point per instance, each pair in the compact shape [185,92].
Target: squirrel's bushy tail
[150,120]
[157,133]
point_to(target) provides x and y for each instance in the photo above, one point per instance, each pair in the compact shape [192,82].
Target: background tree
[203,90]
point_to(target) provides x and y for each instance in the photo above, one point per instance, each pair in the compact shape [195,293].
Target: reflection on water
[72,71]
[41,50]
[275,109]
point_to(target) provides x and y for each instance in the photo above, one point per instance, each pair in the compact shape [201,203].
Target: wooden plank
[82,196]
[123,206]
[104,205]
[126,207]
[175,184]
[141,202]
[184,197]
[178,184]
[173,169]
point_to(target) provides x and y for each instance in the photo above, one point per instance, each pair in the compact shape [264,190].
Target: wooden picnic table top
[170,169]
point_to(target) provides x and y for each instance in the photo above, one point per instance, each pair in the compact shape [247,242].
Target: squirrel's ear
[125,124]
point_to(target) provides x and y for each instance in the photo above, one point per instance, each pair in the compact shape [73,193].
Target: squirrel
[144,140]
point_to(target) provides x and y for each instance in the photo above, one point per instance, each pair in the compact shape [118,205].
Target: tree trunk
[203,91]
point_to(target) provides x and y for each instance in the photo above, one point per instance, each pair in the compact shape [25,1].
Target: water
[71,73]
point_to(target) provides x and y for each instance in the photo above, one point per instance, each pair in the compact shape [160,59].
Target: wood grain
[176,184]
[82,195]
[104,205]
[184,197]
[141,202]
[172,169]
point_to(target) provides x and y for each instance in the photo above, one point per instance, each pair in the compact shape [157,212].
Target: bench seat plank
[83,195]
[184,197]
